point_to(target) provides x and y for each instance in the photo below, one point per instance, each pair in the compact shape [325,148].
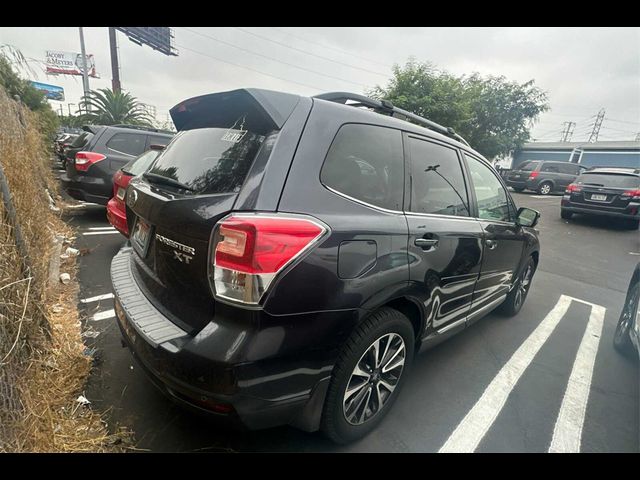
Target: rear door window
[569,168]
[366,163]
[613,180]
[550,168]
[127,143]
[437,182]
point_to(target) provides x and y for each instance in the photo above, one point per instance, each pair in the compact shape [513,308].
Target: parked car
[69,151]
[612,192]
[63,140]
[116,210]
[89,176]
[627,336]
[543,177]
[289,255]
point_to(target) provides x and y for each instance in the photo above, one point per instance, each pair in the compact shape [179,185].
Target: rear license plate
[140,237]
[600,198]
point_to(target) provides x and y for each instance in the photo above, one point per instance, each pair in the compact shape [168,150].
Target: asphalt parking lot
[545,380]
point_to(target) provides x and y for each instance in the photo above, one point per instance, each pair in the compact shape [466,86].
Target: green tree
[492,113]
[106,107]
[10,60]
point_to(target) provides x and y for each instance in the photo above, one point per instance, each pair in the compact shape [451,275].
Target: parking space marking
[473,427]
[567,434]
[543,196]
[97,298]
[101,232]
[100,228]
[104,315]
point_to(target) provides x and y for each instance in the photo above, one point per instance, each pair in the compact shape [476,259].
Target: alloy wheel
[625,320]
[523,286]
[374,379]
[545,189]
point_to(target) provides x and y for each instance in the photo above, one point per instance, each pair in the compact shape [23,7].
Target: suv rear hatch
[611,192]
[522,171]
[194,182]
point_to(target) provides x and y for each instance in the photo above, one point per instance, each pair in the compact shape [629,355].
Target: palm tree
[105,107]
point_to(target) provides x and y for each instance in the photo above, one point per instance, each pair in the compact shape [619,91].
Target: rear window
[613,180]
[210,160]
[528,166]
[140,164]
[82,140]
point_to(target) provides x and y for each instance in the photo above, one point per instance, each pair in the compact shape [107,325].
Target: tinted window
[366,163]
[528,166]
[158,140]
[569,168]
[614,180]
[437,184]
[550,168]
[129,143]
[210,160]
[82,140]
[493,203]
[140,164]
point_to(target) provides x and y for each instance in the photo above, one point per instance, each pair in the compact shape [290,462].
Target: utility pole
[85,73]
[567,132]
[69,107]
[115,69]
[596,127]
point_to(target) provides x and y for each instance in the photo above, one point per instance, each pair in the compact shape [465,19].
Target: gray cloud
[582,69]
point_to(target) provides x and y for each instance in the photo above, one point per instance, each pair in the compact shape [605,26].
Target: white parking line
[101,232]
[100,228]
[473,427]
[544,196]
[567,434]
[97,298]
[104,315]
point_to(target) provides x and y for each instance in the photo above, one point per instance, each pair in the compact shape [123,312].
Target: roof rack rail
[141,127]
[385,107]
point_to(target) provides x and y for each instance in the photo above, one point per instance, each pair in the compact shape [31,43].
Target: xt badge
[183,253]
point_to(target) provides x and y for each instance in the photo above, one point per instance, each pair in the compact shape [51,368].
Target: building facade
[596,154]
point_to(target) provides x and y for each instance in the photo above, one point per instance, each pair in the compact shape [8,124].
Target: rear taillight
[85,159]
[248,251]
[634,194]
[573,187]
[533,175]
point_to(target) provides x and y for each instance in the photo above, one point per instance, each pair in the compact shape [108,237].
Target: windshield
[209,160]
[613,180]
[140,164]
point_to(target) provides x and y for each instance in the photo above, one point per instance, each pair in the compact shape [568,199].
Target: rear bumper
[526,184]
[117,217]
[630,213]
[87,189]
[227,364]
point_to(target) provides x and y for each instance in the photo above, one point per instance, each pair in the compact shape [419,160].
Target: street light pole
[85,73]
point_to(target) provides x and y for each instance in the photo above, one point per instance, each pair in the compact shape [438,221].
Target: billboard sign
[69,63]
[52,92]
[158,38]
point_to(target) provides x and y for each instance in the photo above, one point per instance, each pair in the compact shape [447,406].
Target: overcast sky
[582,69]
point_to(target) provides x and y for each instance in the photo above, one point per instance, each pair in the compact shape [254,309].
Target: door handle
[425,243]
[492,244]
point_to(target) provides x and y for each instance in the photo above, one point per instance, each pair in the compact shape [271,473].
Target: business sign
[158,38]
[52,92]
[69,63]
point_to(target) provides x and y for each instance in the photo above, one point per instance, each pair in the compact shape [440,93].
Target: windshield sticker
[233,134]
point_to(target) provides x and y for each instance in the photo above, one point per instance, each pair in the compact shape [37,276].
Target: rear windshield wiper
[594,184]
[166,181]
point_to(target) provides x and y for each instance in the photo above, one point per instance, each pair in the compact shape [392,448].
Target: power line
[251,69]
[623,121]
[619,130]
[330,48]
[271,58]
[309,53]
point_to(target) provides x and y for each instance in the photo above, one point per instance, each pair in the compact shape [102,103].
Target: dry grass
[43,367]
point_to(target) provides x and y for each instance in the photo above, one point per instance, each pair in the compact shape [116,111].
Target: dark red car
[116,212]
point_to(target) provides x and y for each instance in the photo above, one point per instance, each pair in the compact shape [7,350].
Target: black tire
[334,423]
[543,190]
[621,338]
[565,214]
[518,189]
[517,296]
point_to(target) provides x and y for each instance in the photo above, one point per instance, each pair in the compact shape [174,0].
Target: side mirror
[527,217]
